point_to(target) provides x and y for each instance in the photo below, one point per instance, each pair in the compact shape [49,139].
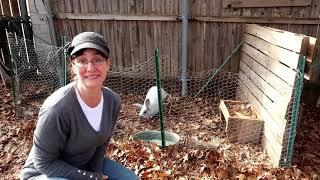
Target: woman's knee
[115,170]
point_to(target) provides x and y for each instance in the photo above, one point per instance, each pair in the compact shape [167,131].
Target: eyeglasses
[83,63]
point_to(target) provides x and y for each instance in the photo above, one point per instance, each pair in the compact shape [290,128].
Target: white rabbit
[151,104]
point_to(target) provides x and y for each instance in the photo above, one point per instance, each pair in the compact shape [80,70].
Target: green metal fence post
[156,54]
[295,110]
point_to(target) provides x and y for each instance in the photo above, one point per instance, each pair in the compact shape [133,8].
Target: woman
[76,122]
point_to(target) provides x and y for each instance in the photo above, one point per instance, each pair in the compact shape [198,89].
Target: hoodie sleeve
[50,137]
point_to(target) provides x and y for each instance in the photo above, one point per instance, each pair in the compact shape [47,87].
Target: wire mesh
[223,102]
[201,112]
[216,109]
[37,73]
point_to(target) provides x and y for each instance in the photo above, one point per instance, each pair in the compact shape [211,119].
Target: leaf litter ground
[203,152]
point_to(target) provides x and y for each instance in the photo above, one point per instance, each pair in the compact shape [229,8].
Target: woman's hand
[104,177]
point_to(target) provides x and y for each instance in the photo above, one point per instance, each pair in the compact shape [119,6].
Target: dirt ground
[204,151]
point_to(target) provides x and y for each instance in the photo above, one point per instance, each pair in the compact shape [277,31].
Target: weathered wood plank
[283,39]
[147,4]
[273,149]
[114,6]
[234,63]
[315,65]
[285,56]
[241,129]
[210,48]
[134,51]
[190,51]
[107,6]
[201,53]
[266,79]
[221,19]
[75,6]
[314,11]
[310,52]
[165,43]
[170,43]
[217,46]
[270,142]
[142,40]
[1,8]
[5,8]
[263,3]
[258,20]
[176,49]
[118,40]
[90,16]
[277,109]
[225,46]
[275,129]
[311,48]
[285,73]
[113,45]
[149,39]
[126,49]
[14,8]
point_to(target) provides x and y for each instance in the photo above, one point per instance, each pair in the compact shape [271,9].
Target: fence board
[213,30]
[285,56]
[224,45]
[276,128]
[262,3]
[14,8]
[208,48]
[273,133]
[112,43]
[276,107]
[283,39]
[217,45]
[283,88]
[5,7]
[286,74]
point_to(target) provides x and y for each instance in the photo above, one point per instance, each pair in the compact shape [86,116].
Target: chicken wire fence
[41,71]
[207,92]
[38,71]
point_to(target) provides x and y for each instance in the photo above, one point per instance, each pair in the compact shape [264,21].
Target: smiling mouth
[91,77]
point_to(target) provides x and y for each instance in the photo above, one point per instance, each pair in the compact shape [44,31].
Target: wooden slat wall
[9,8]
[210,43]
[268,79]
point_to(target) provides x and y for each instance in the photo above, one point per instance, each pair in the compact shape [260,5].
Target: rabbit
[151,104]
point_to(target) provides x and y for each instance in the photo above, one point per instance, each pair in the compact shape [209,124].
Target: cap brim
[89,45]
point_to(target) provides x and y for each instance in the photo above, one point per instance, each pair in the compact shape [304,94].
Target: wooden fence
[135,27]
[8,9]
[268,73]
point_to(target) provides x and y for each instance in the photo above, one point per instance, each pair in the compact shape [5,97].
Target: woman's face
[91,68]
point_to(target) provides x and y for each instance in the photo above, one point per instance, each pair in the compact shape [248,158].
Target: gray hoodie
[64,142]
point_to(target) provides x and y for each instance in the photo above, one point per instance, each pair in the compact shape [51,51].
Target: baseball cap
[89,40]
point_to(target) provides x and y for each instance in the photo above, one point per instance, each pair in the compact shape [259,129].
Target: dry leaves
[204,151]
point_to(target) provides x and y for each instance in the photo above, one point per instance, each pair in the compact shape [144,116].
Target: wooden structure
[135,27]
[241,129]
[8,9]
[13,19]
[268,70]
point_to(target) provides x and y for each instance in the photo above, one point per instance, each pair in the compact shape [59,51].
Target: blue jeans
[112,169]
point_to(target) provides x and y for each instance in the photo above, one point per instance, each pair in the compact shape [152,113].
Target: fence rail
[134,28]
